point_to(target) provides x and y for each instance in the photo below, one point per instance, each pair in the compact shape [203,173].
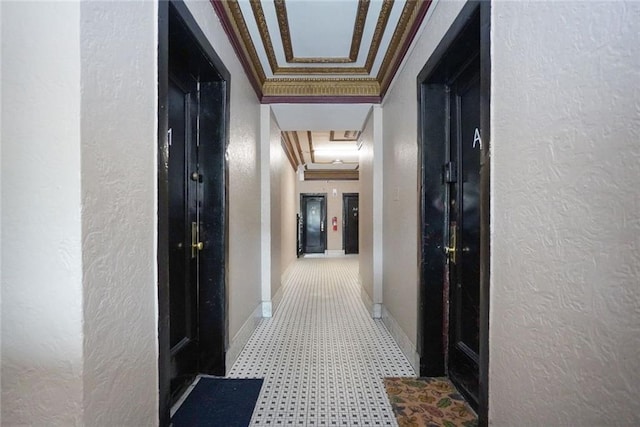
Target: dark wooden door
[183,230]
[350,220]
[462,229]
[193,122]
[314,237]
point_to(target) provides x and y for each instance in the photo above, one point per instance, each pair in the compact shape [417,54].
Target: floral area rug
[428,402]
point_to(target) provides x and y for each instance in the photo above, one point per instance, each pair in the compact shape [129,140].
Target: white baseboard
[334,252]
[403,341]
[374,309]
[242,337]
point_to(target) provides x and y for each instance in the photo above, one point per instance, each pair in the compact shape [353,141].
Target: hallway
[321,355]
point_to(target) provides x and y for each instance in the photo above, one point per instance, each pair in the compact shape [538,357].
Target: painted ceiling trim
[330,175]
[320,89]
[347,135]
[285,34]
[276,69]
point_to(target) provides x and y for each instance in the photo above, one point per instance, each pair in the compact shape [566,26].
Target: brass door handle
[199,246]
[451,253]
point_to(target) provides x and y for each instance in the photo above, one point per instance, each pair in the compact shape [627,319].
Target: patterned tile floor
[322,355]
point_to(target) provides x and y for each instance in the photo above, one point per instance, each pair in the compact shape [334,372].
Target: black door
[193,121]
[314,237]
[462,228]
[454,102]
[350,219]
[184,239]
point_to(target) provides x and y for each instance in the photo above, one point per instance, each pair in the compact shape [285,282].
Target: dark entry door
[193,120]
[314,237]
[350,216]
[462,228]
[184,243]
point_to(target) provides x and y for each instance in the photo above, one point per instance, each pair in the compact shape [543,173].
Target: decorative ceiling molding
[331,175]
[297,141]
[356,40]
[323,84]
[413,13]
[347,135]
[311,150]
[238,32]
[276,69]
[321,87]
[286,148]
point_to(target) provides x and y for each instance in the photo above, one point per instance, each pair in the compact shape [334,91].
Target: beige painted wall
[400,221]
[565,284]
[276,165]
[334,204]
[289,200]
[365,201]
[244,176]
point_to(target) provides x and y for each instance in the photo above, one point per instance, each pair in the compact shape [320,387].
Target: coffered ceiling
[319,155]
[334,51]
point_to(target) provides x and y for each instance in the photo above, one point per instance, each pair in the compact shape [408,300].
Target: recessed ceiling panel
[310,21]
[325,50]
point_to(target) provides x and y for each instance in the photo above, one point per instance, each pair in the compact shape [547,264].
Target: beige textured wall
[276,165]
[334,204]
[365,208]
[288,210]
[400,292]
[565,284]
[244,176]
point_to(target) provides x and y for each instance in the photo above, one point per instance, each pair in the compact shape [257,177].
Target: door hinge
[449,173]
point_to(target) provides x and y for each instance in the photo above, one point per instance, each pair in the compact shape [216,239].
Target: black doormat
[227,402]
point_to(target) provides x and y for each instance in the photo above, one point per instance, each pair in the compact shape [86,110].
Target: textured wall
[401,173]
[565,295]
[276,165]
[334,204]
[41,228]
[0,216]
[288,210]
[365,206]
[119,134]
[244,175]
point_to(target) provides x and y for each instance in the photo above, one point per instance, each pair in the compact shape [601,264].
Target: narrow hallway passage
[321,355]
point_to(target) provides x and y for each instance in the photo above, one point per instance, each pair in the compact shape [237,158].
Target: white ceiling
[321,33]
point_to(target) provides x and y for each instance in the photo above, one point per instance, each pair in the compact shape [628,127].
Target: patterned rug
[428,402]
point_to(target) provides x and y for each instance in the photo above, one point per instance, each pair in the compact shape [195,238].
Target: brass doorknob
[199,246]
[448,250]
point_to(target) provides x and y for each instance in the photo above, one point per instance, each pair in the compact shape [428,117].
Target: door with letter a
[462,228]
[454,209]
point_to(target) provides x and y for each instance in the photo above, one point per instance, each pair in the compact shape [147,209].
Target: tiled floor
[322,355]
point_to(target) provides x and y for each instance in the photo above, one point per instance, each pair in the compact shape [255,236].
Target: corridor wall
[400,221]
[565,300]
[79,231]
[334,205]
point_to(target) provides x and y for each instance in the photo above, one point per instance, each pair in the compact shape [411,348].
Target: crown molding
[316,88]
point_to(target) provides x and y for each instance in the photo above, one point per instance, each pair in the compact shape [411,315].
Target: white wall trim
[265,204]
[374,309]
[242,337]
[403,341]
[334,252]
[378,191]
